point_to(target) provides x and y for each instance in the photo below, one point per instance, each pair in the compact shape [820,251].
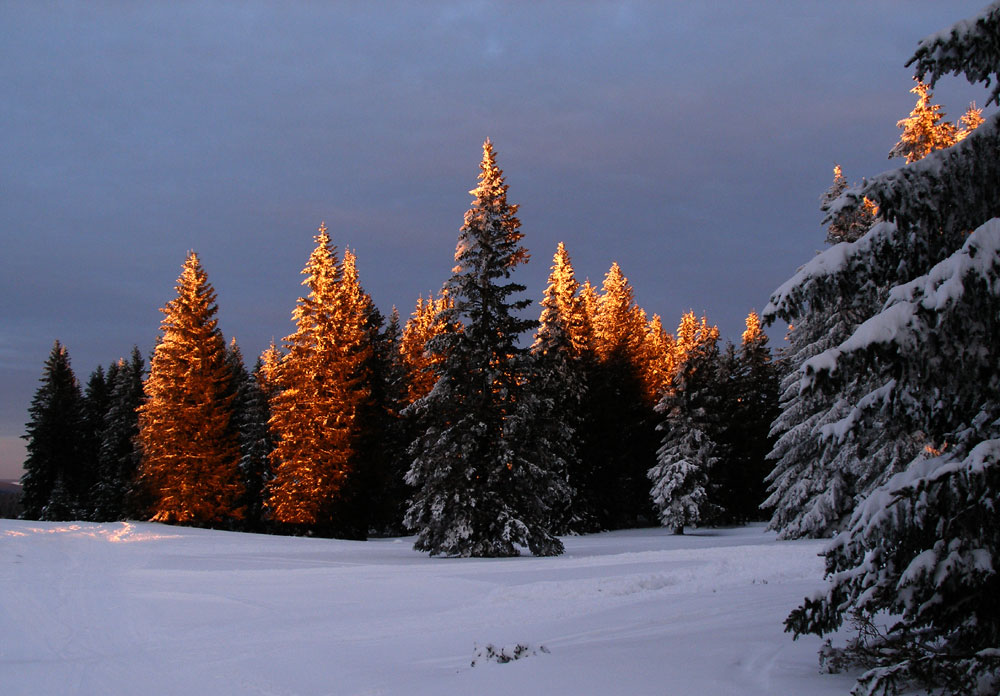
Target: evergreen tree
[924,130]
[54,442]
[115,493]
[750,405]
[419,363]
[620,436]
[249,427]
[970,121]
[920,380]
[812,484]
[321,386]
[484,481]
[659,358]
[690,409]
[96,401]
[849,224]
[564,323]
[256,441]
[190,457]
[387,432]
[559,384]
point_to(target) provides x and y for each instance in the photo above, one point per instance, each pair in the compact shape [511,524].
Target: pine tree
[589,300]
[115,494]
[321,387]
[54,442]
[690,425]
[620,324]
[189,454]
[484,483]
[563,306]
[920,380]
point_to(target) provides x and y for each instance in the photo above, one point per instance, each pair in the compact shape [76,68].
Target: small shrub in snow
[505,654]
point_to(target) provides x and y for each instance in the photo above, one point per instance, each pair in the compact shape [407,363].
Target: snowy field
[149,609]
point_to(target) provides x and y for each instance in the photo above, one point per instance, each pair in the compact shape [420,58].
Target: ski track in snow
[141,608]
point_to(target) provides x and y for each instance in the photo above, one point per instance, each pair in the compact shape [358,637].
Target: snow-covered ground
[149,609]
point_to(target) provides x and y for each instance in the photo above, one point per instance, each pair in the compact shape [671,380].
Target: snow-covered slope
[150,609]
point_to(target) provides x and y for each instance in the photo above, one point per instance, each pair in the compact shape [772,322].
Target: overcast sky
[688,141]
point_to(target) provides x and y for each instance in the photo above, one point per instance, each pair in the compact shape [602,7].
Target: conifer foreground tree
[916,567]
[54,442]
[484,479]
[189,452]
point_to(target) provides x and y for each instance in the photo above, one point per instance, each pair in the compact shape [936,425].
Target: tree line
[446,426]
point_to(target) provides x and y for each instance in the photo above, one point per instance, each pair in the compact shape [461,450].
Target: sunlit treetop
[925,129]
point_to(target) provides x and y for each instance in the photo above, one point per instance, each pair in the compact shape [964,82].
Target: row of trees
[447,426]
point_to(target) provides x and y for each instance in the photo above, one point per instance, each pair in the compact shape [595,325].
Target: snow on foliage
[486,469]
[918,387]
[969,46]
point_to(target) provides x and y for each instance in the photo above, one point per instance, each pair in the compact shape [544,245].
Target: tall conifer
[189,453]
[115,493]
[320,387]
[691,410]
[53,440]
[620,437]
[561,368]
[484,483]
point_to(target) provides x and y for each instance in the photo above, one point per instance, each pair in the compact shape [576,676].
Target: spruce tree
[484,484]
[748,385]
[691,409]
[53,436]
[250,429]
[256,442]
[420,363]
[115,494]
[924,130]
[189,452]
[658,358]
[620,423]
[850,224]
[96,401]
[560,370]
[811,487]
[386,431]
[920,380]
[321,385]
